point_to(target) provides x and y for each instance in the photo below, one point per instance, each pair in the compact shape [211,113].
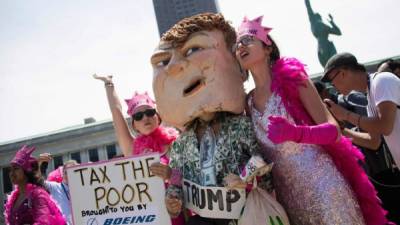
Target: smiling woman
[300,136]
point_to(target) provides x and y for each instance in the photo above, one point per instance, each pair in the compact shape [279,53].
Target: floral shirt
[235,144]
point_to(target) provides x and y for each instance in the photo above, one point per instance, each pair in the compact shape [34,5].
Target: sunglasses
[139,115]
[334,76]
[245,41]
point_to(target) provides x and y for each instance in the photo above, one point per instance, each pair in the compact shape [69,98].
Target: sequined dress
[306,180]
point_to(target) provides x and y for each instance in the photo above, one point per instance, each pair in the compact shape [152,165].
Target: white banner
[214,202]
[119,191]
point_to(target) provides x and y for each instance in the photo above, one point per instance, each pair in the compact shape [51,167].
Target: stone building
[90,142]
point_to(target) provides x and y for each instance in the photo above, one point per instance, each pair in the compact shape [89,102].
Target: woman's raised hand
[105,79]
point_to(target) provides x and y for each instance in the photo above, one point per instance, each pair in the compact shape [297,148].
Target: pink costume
[317,184]
[37,208]
[156,141]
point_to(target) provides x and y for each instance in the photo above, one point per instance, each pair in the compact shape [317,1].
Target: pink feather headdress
[254,28]
[24,159]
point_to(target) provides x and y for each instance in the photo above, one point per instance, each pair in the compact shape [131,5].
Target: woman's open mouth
[243,54]
[193,87]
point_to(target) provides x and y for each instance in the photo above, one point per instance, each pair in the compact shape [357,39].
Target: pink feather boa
[53,217]
[155,141]
[289,74]
[56,175]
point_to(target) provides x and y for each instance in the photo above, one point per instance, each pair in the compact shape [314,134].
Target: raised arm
[44,158]
[334,29]
[310,12]
[122,132]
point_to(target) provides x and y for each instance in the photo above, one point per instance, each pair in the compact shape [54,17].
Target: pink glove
[281,130]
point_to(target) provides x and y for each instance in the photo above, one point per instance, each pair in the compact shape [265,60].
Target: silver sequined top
[307,183]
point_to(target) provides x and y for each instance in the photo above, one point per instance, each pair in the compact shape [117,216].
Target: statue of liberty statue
[321,31]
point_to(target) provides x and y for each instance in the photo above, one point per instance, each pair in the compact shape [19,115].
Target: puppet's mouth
[193,87]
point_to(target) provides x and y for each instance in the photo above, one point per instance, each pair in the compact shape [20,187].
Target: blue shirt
[60,194]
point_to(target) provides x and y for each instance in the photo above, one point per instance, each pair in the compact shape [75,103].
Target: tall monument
[321,31]
[170,12]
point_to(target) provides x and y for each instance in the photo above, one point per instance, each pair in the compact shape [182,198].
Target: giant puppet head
[195,71]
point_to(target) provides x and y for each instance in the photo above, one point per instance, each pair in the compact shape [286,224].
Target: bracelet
[109,84]
[358,121]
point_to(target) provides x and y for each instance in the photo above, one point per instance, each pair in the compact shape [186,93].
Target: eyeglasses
[245,41]
[139,115]
[334,76]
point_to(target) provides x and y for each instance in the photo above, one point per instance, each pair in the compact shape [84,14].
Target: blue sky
[50,49]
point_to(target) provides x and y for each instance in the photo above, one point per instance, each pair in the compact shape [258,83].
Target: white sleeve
[386,87]
[49,185]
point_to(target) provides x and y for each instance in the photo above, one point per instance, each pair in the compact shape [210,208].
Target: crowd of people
[319,176]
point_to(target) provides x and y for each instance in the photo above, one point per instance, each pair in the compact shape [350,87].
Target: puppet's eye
[192,50]
[163,62]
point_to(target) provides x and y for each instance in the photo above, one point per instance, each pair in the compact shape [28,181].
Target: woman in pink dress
[152,137]
[316,175]
[29,203]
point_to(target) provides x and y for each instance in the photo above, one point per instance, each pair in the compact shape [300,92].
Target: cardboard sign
[214,202]
[119,191]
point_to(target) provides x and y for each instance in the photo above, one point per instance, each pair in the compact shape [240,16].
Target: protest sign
[119,191]
[214,202]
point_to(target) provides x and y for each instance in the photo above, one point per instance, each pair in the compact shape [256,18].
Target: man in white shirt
[60,191]
[383,93]
[390,65]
